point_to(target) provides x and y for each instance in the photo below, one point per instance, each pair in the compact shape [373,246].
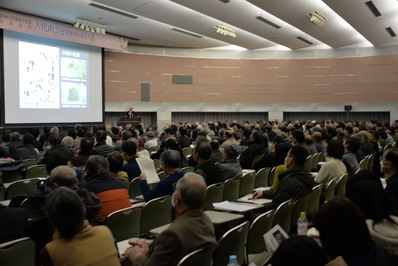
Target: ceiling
[191,23]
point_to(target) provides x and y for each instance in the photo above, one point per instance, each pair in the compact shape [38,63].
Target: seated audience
[351,146]
[366,191]
[13,223]
[85,148]
[317,137]
[206,168]
[343,232]
[299,251]
[115,161]
[151,142]
[255,148]
[36,144]
[310,144]
[295,182]
[170,161]
[183,140]
[281,151]
[129,152]
[57,149]
[389,166]
[100,147]
[15,142]
[230,167]
[112,192]
[373,139]
[40,228]
[269,159]
[4,159]
[216,155]
[297,138]
[191,230]
[74,237]
[125,136]
[334,167]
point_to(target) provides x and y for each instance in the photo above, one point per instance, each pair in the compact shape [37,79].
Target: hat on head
[231,149]
[150,134]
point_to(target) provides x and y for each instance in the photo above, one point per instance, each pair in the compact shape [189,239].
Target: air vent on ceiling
[304,40]
[373,8]
[391,32]
[224,1]
[186,32]
[113,10]
[268,22]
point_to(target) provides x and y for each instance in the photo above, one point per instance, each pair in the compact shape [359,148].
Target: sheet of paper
[148,168]
[248,198]
[226,205]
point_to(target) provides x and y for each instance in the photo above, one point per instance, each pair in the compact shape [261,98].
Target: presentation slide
[50,81]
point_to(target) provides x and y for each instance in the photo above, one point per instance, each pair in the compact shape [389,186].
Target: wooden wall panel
[361,79]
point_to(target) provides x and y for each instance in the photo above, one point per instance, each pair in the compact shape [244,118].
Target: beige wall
[356,79]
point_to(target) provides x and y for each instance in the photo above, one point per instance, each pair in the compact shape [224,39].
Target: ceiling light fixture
[89,26]
[317,19]
[226,31]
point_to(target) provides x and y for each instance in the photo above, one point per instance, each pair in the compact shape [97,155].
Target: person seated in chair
[295,182]
[191,230]
[74,236]
[170,161]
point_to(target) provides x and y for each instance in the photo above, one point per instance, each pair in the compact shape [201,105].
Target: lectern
[134,121]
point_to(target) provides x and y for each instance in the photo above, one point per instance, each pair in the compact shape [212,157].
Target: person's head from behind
[66,211]
[300,251]
[190,192]
[352,144]
[255,136]
[96,166]
[203,151]
[100,136]
[335,149]
[342,229]
[129,149]
[67,141]
[172,144]
[296,157]
[126,134]
[366,191]
[3,152]
[230,150]
[28,139]
[246,133]
[298,136]
[170,159]
[389,163]
[54,140]
[115,161]
[374,136]
[86,145]
[15,136]
[215,144]
[35,132]
[63,176]
[281,151]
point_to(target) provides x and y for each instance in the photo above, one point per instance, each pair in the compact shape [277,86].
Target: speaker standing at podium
[130,112]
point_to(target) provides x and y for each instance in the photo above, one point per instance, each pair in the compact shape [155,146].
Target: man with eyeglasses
[191,230]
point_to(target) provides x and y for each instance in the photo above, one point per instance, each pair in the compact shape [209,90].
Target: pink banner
[24,23]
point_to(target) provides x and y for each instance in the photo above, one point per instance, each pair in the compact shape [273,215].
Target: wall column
[272,116]
[163,118]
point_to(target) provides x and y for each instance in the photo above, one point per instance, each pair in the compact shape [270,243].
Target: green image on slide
[73,68]
[73,93]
